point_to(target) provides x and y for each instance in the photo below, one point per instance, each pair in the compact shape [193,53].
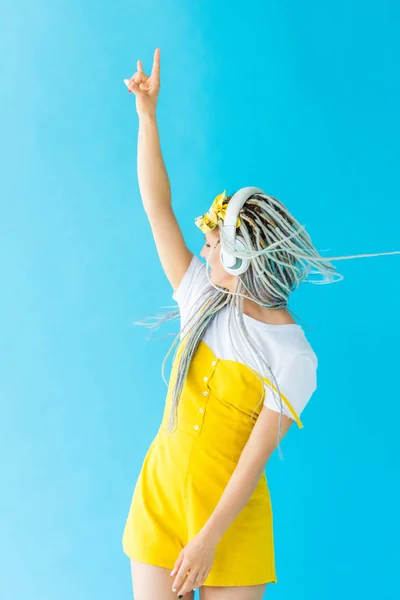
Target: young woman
[241,376]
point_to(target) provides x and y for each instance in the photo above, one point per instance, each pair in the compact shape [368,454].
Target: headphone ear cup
[244,262]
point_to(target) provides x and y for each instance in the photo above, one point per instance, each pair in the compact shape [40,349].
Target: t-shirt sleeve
[193,290]
[297,381]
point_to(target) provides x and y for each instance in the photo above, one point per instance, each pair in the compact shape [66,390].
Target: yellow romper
[185,473]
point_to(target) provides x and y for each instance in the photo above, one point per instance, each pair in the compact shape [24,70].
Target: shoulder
[294,346]
[193,291]
[193,281]
[296,375]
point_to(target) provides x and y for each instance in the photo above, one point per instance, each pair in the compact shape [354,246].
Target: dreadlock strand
[282,256]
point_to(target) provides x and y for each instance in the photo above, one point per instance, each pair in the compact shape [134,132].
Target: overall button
[205,379]
[214,362]
[201,410]
[196,427]
[205,393]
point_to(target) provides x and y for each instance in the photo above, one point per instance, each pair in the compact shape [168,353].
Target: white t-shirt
[285,347]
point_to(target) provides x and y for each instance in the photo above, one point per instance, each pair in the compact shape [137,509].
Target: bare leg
[150,583]
[245,592]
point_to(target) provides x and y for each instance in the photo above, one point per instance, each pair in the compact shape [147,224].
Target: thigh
[236,592]
[150,582]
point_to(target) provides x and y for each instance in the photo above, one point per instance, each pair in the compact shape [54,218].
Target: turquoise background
[301,99]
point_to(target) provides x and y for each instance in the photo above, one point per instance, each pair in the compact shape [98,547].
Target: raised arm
[154,184]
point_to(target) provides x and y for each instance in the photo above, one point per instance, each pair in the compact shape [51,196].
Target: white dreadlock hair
[282,256]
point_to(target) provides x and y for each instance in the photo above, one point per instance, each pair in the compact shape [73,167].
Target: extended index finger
[155,71]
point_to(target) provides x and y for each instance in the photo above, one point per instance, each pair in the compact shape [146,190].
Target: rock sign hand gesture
[146,88]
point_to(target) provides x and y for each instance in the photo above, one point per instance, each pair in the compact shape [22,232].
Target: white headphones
[233,264]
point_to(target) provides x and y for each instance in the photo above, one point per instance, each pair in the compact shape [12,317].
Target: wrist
[147,116]
[211,538]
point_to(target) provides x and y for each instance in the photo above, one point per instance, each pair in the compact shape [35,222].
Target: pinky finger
[197,583]
[200,579]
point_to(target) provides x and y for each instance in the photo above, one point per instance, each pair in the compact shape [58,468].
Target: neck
[274,316]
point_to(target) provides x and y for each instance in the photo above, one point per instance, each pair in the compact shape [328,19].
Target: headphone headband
[233,264]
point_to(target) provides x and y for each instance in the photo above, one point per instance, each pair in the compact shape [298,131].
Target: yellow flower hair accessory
[209,220]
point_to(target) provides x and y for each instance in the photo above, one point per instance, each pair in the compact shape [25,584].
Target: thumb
[132,85]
